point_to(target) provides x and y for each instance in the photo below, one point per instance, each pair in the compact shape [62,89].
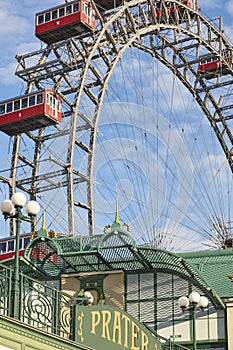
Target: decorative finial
[43,231]
[117,214]
[43,227]
[117,224]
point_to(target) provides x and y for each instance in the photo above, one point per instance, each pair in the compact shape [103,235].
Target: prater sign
[107,327]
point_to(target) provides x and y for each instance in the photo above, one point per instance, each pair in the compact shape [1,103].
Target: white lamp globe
[183,302]
[32,207]
[194,297]
[89,296]
[203,302]
[7,206]
[18,199]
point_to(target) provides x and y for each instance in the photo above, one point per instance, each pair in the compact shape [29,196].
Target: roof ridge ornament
[43,232]
[117,225]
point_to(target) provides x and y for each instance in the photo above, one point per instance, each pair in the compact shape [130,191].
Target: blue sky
[17,37]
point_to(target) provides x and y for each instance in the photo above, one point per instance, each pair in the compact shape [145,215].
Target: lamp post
[12,209]
[194,300]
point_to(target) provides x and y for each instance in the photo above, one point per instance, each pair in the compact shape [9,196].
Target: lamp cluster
[89,298]
[195,299]
[18,200]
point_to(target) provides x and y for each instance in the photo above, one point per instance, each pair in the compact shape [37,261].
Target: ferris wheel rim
[147,31]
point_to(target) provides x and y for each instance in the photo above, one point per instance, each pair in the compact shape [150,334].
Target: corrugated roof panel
[215,267]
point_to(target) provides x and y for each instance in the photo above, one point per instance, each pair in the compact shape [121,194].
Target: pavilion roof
[117,250]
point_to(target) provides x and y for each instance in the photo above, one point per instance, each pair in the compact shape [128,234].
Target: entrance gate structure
[138,283]
[143,281]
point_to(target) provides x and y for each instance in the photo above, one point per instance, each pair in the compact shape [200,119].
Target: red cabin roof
[171,7]
[65,21]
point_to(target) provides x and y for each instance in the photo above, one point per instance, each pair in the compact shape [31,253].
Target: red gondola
[65,21]
[7,246]
[210,65]
[161,14]
[30,112]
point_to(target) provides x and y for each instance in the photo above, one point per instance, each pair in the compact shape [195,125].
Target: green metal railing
[48,309]
[5,290]
[40,305]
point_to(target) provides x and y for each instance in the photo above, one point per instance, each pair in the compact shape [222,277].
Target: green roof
[114,250]
[215,267]
[50,256]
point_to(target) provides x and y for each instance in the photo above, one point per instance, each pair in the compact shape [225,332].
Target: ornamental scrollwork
[80,331]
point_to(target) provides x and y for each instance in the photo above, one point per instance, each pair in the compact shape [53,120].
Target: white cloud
[12,25]
[229,7]
[7,76]
[17,35]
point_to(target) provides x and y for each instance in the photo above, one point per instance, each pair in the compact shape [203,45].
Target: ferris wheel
[146,92]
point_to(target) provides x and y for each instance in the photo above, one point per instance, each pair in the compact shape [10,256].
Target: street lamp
[89,298]
[12,209]
[195,299]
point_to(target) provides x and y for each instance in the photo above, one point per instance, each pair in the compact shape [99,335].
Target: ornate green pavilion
[143,281]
